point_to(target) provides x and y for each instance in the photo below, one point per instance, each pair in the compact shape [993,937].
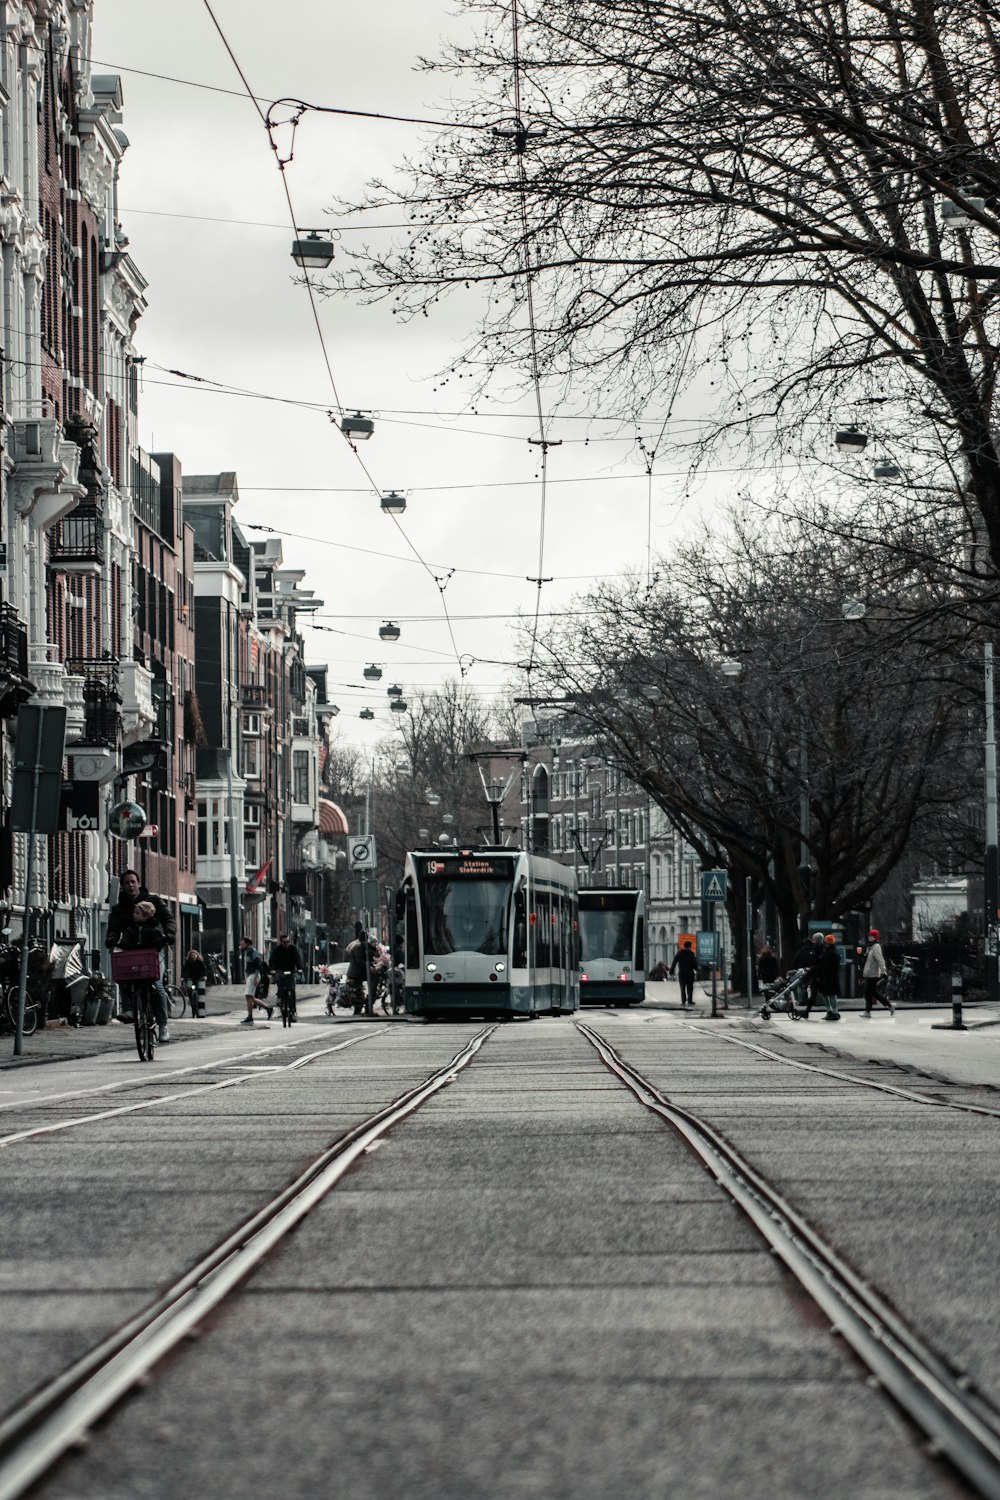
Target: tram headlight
[432,968]
[500,968]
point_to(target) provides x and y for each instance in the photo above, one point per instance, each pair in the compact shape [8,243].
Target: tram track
[958,1424]
[912,1095]
[139,1079]
[58,1416]
[56,1127]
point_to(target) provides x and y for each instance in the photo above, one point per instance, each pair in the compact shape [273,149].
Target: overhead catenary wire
[440,581]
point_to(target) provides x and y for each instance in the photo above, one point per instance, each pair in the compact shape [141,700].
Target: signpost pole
[749,905]
[34,810]
[715,966]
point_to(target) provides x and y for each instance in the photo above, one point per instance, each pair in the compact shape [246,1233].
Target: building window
[251,758]
[251,847]
[300,775]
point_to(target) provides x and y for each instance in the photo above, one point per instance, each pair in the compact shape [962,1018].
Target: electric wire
[440,581]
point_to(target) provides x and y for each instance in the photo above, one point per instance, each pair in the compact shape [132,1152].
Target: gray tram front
[469,930]
[612,946]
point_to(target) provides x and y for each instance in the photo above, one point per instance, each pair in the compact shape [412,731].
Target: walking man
[687,967]
[252,965]
[872,971]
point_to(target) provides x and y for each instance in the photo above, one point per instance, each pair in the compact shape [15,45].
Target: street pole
[805,870]
[715,966]
[749,914]
[992,861]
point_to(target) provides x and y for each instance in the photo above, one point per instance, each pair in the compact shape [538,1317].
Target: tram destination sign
[470,867]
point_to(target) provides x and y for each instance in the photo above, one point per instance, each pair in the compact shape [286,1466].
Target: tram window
[640,946]
[543,931]
[520,955]
[412,938]
[607,933]
[465,916]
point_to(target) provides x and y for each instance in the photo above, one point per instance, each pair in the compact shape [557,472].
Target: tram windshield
[606,927]
[465,916]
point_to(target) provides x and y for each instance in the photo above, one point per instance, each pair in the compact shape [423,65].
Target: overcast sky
[223,305]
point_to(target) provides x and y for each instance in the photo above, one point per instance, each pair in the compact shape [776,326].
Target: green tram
[488,932]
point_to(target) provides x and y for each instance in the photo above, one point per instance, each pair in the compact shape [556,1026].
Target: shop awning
[331,817]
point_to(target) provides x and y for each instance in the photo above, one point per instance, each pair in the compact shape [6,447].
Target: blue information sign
[708,948]
[714,884]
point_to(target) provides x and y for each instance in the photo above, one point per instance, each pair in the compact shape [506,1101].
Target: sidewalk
[224,1007]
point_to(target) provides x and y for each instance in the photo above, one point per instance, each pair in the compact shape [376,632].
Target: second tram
[612,946]
[488,932]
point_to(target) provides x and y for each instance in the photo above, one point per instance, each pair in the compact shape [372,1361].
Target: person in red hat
[872,971]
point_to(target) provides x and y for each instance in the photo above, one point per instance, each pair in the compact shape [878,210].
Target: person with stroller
[686,964]
[825,979]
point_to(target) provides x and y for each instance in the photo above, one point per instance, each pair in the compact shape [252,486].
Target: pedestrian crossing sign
[714,884]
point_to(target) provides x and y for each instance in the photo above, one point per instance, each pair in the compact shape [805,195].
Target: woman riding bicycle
[158,933]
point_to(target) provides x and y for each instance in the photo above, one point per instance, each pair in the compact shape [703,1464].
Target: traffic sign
[714,884]
[361,851]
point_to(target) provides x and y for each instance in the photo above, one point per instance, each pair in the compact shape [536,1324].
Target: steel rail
[56,1126]
[958,1424]
[59,1415]
[867,1083]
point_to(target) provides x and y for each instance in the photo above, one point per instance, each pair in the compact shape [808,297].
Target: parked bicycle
[216,969]
[900,981]
[37,992]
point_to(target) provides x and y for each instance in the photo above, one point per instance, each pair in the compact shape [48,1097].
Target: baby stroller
[781,994]
[332,992]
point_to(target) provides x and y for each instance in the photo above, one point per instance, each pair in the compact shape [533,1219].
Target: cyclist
[285,961]
[144,931]
[131,891]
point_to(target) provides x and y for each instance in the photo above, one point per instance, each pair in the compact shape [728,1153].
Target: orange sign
[687,937]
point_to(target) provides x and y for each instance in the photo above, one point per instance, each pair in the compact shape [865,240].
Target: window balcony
[77,542]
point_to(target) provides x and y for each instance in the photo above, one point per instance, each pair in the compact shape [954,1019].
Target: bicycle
[176,1000]
[136,970]
[901,982]
[32,1011]
[286,997]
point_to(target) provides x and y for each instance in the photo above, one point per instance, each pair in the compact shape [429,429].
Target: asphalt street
[531,1287]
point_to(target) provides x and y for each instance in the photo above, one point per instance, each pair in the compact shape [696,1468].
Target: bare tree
[792,746]
[794,200]
[429,754]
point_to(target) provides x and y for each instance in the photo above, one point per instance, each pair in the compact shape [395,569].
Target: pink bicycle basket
[129,965]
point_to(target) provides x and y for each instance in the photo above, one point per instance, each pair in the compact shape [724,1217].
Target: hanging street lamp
[398,706]
[366,713]
[314,253]
[395,691]
[372,672]
[851,440]
[389,631]
[357,428]
[393,503]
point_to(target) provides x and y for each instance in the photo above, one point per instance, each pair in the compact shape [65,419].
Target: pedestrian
[130,892]
[768,967]
[194,973]
[285,960]
[807,958]
[253,965]
[357,968]
[873,969]
[686,965]
[827,977]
